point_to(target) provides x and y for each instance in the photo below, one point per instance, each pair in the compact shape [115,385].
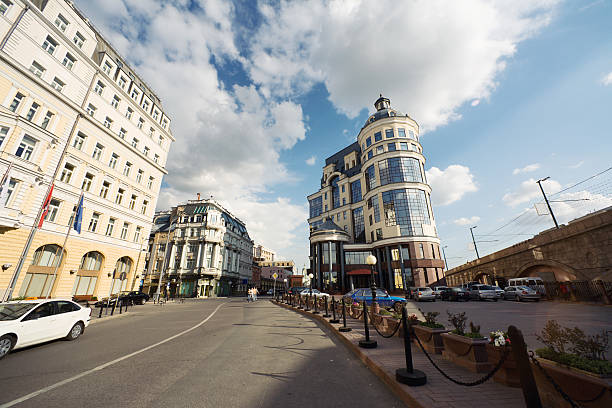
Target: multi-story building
[374,199]
[75,116]
[260,253]
[200,250]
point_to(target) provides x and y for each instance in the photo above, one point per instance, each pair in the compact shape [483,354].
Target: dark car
[295,290]
[455,294]
[135,296]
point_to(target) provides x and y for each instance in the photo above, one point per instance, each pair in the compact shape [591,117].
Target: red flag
[45,207]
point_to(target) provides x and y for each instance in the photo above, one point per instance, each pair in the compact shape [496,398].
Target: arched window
[47,255]
[335,193]
[123,264]
[92,261]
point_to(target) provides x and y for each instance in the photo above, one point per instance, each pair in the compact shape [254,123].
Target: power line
[583,181]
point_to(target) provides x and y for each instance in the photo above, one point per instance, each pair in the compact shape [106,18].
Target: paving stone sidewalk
[438,392]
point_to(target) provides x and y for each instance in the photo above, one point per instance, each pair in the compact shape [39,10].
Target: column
[183,255]
[172,256]
[401,259]
[378,276]
[342,282]
[331,261]
[391,275]
[199,260]
[319,274]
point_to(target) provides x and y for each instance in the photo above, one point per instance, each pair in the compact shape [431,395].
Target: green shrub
[432,325]
[470,335]
[591,347]
[457,320]
[602,367]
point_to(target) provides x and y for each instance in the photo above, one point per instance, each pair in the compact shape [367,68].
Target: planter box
[508,373]
[430,338]
[588,390]
[466,352]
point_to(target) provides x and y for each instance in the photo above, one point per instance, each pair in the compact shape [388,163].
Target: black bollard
[114,305]
[300,302]
[367,343]
[100,315]
[308,303]
[344,328]
[333,319]
[409,375]
[316,305]
[528,384]
[120,305]
[326,310]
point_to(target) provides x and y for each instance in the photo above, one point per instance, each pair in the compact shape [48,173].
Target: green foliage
[457,320]
[553,336]
[474,331]
[602,367]
[432,325]
[430,318]
[590,347]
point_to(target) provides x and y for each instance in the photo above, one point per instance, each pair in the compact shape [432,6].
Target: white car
[27,322]
[315,292]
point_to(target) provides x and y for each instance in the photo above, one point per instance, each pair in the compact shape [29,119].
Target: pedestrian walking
[249,294]
[255,293]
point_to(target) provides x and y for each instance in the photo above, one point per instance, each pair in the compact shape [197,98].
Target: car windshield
[486,287]
[12,311]
[379,292]
[424,289]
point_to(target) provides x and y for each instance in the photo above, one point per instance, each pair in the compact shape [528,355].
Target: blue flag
[78,218]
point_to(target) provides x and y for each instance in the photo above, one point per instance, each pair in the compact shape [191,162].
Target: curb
[106,318]
[388,380]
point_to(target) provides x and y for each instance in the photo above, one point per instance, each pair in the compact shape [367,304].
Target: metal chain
[555,385]
[399,324]
[466,384]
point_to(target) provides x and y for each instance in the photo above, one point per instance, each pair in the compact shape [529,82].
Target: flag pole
[61,257]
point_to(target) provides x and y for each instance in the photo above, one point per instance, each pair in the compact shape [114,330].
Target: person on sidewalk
[255,293]
[250,295]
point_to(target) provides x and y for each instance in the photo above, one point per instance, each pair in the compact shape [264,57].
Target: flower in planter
[499,338]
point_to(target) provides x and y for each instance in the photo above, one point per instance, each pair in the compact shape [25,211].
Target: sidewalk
[438,392]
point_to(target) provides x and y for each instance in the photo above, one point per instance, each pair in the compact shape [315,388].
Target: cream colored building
[261,253]
[75,115]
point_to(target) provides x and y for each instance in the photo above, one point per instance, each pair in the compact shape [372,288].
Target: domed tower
[375,190]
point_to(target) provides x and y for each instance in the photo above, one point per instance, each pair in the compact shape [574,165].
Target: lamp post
[445,263]
[546,199]
[371,260]
[367,342]
[474,241]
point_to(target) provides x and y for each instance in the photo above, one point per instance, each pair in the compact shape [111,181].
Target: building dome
[383,110]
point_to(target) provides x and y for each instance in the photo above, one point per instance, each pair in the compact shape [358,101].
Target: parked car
[468,285]
[455,294]
[424,293]
[294,290]
[532,282]
[27,322]
[382,298]
[483,292]
[135,296]
[438,290]
[520,293]
[499,292]
[315,292]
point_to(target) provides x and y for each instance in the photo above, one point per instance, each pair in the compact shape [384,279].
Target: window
[4,131]
[145,105]
[388,133]
[61,23]
[79,140]
[139,175]
[124,230]
[91,109]
[406,208]
[104,189]
[403,146]
[122,133]
[99,88]
[16,101]
[108,122]
[377,137]
[67,173]
[150,183]
[359,225]
[87,182]
[356,191]
[155,114]
[368,142]
[380,149]
[379,234]
[135,143]
[391,147]
[9,192]
[53,210]
[119,196]
[151,132]
[4,6]
[26,147]
[109,227]
[343,201]
[140,123]
[57,84]
[49,45]
[137,234]
[164,123]
[421,251]
[145,204]
[97,153]
[161,140]
[316,206]
[78,39]
[112,163]
[370,175]
[122,82]
[132,202]
[37,69]
[412,135]
[127,168]
[93,222]
[108,68]
[399,169]
[69,61]
[129,112]
[370,154]
[115,102]
[156,158]
[46,120]
[32,111]
[135,94]
[401,132]
[146,151]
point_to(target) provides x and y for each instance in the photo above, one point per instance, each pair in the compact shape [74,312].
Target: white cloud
[451,184]
[475,102]
[575,166]
[467,221]
[437,55]
[528,190]
[607,79]
[311,161]
[527,169]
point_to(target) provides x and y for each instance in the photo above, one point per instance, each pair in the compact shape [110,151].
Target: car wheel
[495,300]
[433,300]
[143,301]
[75,332]
[6,345]
[517,298]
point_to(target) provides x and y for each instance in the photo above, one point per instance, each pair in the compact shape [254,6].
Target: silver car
[424,293]
[499,292]
[483,292]
[520,293]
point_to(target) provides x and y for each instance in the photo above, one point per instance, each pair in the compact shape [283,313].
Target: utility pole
[444,253]
[546,199]
[474,241]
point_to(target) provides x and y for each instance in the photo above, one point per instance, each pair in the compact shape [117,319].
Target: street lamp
[474,241]
[546,199]
[371,260]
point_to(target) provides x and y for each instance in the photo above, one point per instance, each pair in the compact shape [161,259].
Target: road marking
[105,365]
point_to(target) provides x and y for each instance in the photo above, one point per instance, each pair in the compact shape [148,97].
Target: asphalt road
[530,317]
[245,355]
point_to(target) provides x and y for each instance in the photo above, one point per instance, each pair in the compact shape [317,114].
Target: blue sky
[506,93]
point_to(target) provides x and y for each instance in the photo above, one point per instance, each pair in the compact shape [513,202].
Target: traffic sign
[275,275]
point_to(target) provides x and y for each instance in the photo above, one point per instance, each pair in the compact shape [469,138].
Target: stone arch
[549,270]
[41,278]
[484,277]
[125,264]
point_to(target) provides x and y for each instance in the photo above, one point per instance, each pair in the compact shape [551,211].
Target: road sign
[275,275]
